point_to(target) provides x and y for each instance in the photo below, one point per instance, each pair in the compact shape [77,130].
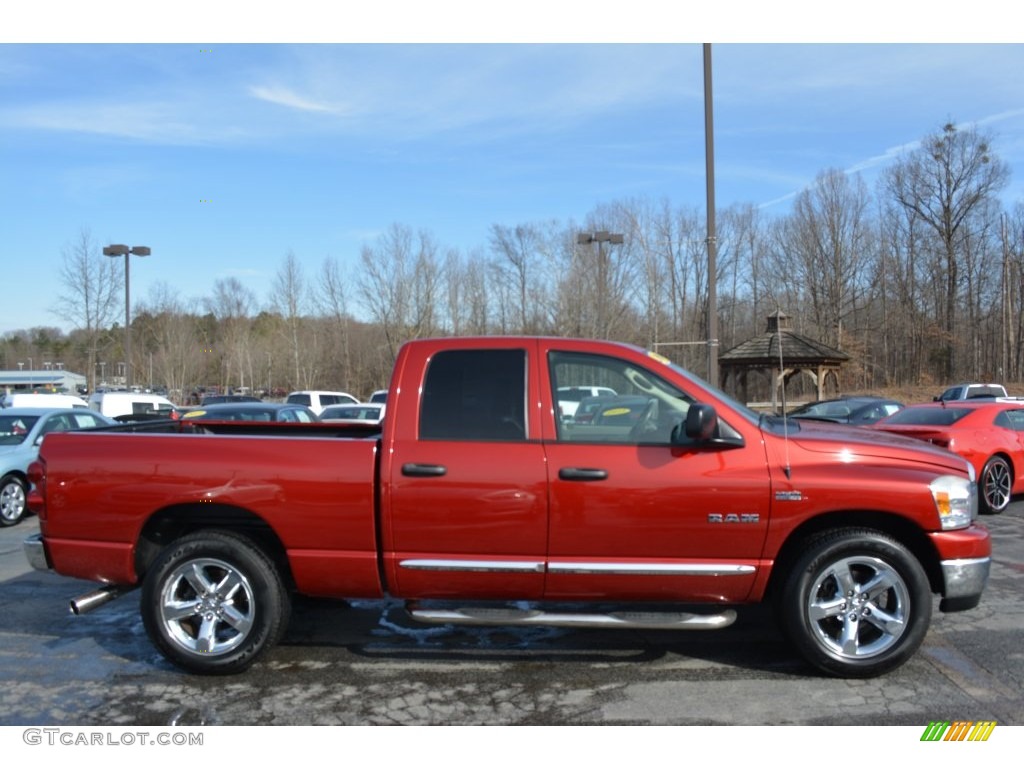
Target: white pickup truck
[971,391]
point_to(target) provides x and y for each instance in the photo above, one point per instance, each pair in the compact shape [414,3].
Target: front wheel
[856,604]
[12,500]
[996,484]
[213,602]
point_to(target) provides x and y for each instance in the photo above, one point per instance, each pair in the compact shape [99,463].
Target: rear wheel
[12,500]
[996,484]
[856,604]
[213,602]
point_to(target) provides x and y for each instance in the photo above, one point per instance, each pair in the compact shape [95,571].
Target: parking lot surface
[366,663]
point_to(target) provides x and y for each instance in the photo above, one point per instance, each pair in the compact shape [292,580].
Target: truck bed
[316,493]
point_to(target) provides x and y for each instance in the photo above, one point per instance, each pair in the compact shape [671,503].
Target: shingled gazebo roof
[799,354]
[763,351]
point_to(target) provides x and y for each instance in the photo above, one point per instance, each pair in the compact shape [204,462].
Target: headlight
[956,501]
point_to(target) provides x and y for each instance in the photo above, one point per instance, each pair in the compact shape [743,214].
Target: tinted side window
[475,395]
[1015,419]
[299,399]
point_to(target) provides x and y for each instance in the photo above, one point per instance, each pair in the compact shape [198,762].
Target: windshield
[752,416]
[14,429]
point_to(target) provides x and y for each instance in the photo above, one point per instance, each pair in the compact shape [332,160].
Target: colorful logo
[958,730]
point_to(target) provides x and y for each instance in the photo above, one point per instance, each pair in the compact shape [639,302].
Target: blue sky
[223,157]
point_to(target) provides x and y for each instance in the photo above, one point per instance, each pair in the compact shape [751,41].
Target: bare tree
[288,298]
[330,298]
[945,182]
[520,254]
[232,305]
[173,341]
[824,245]
[91,289]
[400,285]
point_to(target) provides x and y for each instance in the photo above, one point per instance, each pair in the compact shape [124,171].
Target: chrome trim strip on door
[536,566]
[654,569]
[488,566]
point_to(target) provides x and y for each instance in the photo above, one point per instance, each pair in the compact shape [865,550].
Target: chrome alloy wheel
[857,607]
[996,484]
[12,501]
[207,606]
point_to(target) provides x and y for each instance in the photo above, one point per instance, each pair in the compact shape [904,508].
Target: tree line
[920,281]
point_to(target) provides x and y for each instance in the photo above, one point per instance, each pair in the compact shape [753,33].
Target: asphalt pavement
[366,663]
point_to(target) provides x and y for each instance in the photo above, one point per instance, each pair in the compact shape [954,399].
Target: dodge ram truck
[478,502]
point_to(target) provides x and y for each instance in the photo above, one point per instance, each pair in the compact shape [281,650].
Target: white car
[316,400]
[569,399]
[361,413]
[124,406]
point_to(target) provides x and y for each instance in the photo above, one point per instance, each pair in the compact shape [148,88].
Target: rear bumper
[35,552]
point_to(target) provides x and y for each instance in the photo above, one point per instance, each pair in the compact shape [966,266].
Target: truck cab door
[637,514]
[464,487]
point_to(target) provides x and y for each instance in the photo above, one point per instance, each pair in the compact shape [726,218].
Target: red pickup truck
[477,501]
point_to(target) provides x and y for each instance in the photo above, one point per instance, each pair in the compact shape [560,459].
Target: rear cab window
[474,394]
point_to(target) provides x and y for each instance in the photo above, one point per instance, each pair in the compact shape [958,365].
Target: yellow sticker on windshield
[193,414]
[660,358]
[615,412]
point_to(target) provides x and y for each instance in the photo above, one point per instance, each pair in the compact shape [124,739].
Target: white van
[125,405]
[42,400]
[316,400]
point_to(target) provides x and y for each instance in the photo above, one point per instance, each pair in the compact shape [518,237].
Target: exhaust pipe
[92,600]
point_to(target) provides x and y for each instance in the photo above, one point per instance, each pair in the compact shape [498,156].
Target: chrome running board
[485,616]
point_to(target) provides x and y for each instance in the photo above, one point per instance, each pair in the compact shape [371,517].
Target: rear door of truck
[464,485]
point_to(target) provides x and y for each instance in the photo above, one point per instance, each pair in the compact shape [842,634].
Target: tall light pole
[585,238]
[709,157]
[123,250]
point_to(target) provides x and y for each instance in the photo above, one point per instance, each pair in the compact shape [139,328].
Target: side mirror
[701,422]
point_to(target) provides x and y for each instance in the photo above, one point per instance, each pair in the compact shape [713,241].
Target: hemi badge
[789,496]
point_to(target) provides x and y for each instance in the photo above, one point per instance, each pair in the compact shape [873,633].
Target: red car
[990,435]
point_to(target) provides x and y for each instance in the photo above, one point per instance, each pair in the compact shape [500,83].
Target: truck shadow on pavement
[382,630]
[338,632]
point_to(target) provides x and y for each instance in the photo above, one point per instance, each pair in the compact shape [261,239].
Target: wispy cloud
[161,123]
[286,97]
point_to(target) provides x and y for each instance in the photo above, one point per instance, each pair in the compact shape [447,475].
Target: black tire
[838,626]
[213,603]
[12,500]
[995,485]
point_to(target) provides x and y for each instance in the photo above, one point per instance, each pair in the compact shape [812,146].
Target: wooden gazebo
[779,354]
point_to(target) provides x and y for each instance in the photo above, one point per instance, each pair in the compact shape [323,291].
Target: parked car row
[26,418]
[979,422]
[985,427]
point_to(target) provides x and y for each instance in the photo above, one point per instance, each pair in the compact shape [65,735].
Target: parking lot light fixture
[123,250]
[601,237]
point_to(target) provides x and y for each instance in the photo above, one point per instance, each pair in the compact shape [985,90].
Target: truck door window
[644,408]
[474,394]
